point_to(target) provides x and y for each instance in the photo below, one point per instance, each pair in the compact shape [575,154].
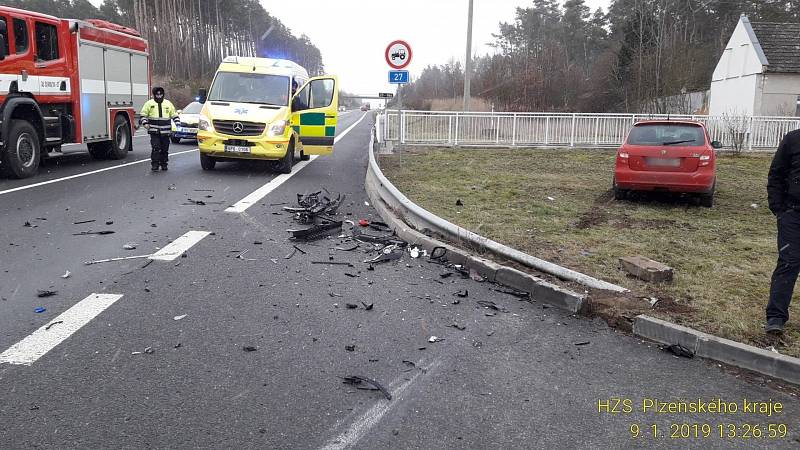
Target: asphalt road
[530,377]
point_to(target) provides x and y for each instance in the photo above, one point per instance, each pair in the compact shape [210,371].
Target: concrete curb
[719,349]
[400,213]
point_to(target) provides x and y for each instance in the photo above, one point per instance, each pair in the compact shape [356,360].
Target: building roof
[780,44]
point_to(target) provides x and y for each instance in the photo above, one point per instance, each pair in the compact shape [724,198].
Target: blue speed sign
[398,76]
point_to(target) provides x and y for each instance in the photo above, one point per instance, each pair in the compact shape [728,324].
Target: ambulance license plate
[237,149]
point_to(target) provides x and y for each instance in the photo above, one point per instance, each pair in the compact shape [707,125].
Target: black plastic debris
[445,274]
[368,306]
[459,202]
[195,202]
[351,275]
[249,348]
[522,295]
[318,231]
[386,240]
[347,249]
[578,344]
[379,226]
[27,224]
[109,222]
[385,257]
[83,221]
[356,380]
[350,348]
[492,305]
[51,324]
[678,350]
[351,305]
[462,294]
[87,233]
[41,293]
[458,326]
[333,263]
[315,205]
[438,253]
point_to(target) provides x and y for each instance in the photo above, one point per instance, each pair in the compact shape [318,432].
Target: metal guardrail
[565,129]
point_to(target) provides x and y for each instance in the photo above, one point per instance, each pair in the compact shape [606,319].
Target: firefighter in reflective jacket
[158,114]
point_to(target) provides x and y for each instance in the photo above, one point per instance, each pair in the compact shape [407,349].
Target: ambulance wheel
[207,162]
[121,144]
[23,151]
[175,140]
[285,164]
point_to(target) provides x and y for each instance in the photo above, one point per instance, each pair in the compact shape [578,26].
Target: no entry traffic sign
[398,54]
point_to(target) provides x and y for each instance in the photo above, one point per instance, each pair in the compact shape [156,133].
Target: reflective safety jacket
[159,116]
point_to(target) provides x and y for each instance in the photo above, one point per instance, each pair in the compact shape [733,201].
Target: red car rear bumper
[700,181]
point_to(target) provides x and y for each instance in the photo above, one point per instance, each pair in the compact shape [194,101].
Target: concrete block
[541,290]
[646,269]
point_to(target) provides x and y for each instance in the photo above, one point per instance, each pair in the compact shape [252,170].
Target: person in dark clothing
[158,114]
[783,191]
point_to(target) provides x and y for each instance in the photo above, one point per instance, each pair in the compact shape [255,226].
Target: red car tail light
[623,155]
[705,160]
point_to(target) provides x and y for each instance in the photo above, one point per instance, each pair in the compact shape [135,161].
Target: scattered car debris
[351,275]
[52,324]
[379,226]
[83,221]
[122,258]
[357,380]
[445,274]
[347,249]
[334,263]
[195,202]
[522,295]
[492,305]
[181,317]
[318,231]
[433,339]
[28,225]
[462,294]
[249,348]
[87,233]
[578,344]
[369,306]
[130,246]
[109,222]
[438,253]
[458,326]
[363,222]
[551,199]
[477,344]
[456,301]
[414,252]
[315,205]
[384,257]
[147,351]
[351,305]
[350,348]
[41,293]
[490,333]
[678,350]
[67,274]
[366,203]
[171,187]
[241,256]
[475,276]
[39,309]
[459,202]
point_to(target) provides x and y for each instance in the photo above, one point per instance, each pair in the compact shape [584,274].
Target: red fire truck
[67,81]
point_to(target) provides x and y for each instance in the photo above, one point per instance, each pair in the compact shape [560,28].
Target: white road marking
[43,183]
[256,196]
[176,248]
[41,341]
[356,431]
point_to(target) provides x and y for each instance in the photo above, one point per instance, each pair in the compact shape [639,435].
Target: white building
[759,71]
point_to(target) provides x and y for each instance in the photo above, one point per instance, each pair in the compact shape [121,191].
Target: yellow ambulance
[266,109]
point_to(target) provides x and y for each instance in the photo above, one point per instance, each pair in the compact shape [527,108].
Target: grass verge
[557,205]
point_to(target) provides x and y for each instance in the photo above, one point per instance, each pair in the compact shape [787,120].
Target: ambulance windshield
[250,88]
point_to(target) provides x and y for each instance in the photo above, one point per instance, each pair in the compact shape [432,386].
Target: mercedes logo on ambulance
[238,127]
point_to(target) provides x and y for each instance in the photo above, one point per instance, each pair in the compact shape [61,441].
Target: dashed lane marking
[177,247]
[46,338]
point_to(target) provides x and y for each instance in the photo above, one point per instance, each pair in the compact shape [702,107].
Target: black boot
[154,167]
[164,167]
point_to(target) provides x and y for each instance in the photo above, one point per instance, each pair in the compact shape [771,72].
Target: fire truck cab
[67,81]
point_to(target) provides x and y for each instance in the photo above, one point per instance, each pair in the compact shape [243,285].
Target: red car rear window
[667,134]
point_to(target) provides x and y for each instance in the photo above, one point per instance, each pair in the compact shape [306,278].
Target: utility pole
[468,64]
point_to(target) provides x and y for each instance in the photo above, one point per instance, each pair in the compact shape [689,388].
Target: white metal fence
[564,129]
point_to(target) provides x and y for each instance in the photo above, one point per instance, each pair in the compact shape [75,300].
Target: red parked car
[668,156]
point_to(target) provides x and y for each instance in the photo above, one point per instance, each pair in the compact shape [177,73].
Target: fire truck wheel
[122,142]
[21,158]
[284,165]
[207,162]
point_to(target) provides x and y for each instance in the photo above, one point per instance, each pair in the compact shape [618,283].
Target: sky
[353,34]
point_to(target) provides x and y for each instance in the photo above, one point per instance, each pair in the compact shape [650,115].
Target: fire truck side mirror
[202,95]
